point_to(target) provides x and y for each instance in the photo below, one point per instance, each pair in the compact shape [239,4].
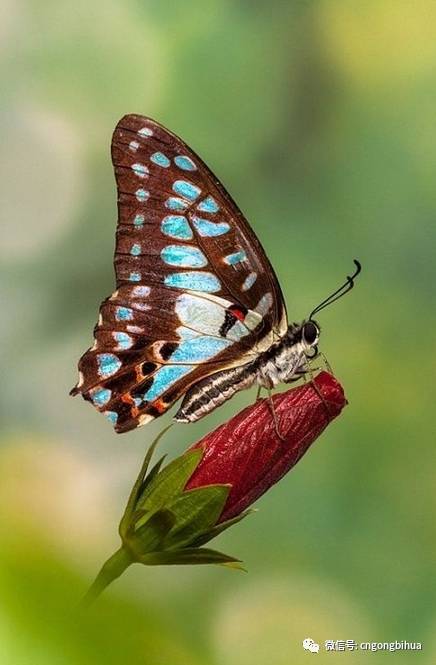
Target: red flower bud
[247,452]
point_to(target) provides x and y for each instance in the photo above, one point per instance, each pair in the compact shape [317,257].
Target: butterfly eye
[310,333]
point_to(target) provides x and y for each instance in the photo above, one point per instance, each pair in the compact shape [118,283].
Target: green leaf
[189,556]
[196,511]
[149,536]
[208,534]
[169,482]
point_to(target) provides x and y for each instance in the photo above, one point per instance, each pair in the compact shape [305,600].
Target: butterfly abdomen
[207,395]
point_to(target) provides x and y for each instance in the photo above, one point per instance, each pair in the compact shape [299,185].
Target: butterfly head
[310,332]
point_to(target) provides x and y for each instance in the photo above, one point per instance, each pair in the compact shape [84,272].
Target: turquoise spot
[140,170]
[264,304]
[137,400]
[160,159]
[183,256]
[139,220]
[142,195]
[176,226]
[173,203]
[123,314]
[108,364]
[185,163]
[208,205]
[145,131]
[124,340]
[164,378]
[210,229]
[194,281]
[136,249]
[111,416]
[100,396]
[237,257]
[249,281]
[186,189]
[141,291]
[199,349]
[135,277]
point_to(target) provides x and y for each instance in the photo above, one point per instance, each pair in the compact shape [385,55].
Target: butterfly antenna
[341,291]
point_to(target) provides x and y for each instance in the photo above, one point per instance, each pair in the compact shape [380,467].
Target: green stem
[111,569]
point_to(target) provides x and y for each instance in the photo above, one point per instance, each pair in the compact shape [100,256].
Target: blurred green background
[319,117]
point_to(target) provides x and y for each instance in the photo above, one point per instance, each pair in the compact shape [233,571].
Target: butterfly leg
[310,374]
[274,416]
[326,362]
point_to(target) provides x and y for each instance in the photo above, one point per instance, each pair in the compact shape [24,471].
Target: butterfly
[198,311]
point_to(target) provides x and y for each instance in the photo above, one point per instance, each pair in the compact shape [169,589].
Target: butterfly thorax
[286,360]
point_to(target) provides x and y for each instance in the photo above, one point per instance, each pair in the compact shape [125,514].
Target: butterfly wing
[195,290]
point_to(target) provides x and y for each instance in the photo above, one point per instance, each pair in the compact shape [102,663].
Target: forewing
[195,290]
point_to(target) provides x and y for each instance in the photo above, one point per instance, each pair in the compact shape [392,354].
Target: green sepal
[208,534]
[139,485]
[150,536]
[153,473]
[195,511]
[170,482]
[189,556]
